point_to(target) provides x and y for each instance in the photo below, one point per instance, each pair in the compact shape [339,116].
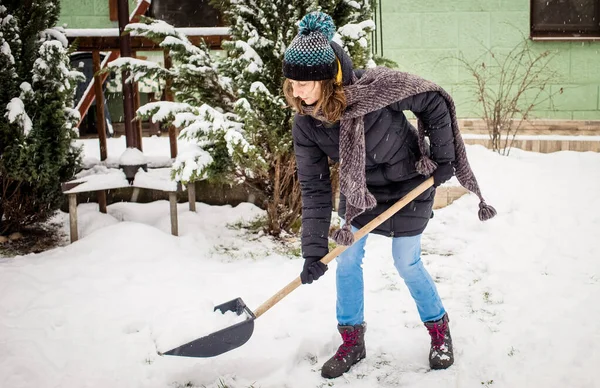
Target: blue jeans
[407,260]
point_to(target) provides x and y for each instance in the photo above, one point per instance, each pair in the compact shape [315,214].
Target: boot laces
[438,334]
[349,338]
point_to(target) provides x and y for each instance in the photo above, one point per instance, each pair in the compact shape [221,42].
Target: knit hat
[310,57]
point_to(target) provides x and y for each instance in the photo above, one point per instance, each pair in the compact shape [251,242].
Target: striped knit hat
[310,56]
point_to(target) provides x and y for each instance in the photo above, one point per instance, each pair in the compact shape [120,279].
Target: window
[574,19]
[186,13]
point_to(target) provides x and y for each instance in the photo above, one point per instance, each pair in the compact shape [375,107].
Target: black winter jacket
[392,151]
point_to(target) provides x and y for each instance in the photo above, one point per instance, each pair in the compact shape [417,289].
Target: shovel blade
[223,340]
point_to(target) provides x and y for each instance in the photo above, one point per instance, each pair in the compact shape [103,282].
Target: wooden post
[191,187]
[125,48]
[100,119]
[73,216]
[169,97]
[102,201]
[173,203]
[136,106]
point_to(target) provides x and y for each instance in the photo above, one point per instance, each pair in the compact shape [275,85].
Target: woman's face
[308,91]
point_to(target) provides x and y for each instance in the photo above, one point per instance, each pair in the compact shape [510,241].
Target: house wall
[424,36]
[88,13]
[95,14]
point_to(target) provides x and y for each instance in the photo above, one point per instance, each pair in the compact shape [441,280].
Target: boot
[441,355]
[351,351]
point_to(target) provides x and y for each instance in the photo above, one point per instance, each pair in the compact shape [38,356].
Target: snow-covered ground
[522,292]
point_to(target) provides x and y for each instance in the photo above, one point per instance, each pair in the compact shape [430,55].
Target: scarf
[376,89]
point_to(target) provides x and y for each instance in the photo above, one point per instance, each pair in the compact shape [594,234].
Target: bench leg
[191,187]
[135,194]
[173,203]
[73,217]
[102,201]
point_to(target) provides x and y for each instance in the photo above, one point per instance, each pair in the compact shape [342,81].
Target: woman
[356,118]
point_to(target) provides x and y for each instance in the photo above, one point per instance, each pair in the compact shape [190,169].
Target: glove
[442,173]
[312,270]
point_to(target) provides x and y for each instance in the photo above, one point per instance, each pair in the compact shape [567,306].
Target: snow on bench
[101,178]
[97,178]
[157,179]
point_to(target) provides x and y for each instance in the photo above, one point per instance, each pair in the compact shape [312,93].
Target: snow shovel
[238,334]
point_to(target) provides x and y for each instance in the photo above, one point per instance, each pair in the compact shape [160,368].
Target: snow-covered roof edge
[113,32]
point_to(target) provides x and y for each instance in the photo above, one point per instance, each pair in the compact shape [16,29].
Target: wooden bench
[101,178]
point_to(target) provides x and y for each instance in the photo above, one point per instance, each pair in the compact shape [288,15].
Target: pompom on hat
[310,56]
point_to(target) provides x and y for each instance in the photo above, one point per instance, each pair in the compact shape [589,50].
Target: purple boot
[441,355]
[351,351]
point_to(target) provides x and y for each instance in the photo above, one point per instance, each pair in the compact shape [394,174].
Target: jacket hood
[345,61]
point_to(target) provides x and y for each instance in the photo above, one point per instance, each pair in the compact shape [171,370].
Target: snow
[108,32]
[73,114]
[204,31]
[99,178]
[132,157]
[16,113]
[249,55]
[7,18]
[138,67]
[521,291]
[158,179]
[156,151]
[352,4]
[258,86]
[253,68]
[25,87]
[189,162]
[356,31]
[209,120]
[195,125]
[131,62]
[337,38]
[48,51]
[109,126]
[5,49]
[57,33]
[170,41]
[163,109]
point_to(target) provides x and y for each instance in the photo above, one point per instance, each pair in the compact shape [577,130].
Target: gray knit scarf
[378,88]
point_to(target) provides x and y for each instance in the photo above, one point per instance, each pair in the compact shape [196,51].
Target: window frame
[537,33]
[220,22]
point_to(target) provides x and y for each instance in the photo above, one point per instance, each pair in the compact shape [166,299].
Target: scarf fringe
[486,211]
[425,166]
[344,236]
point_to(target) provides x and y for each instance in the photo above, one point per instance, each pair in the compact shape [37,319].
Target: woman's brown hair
[331,103]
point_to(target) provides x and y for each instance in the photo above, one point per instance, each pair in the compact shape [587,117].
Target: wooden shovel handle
[341,248]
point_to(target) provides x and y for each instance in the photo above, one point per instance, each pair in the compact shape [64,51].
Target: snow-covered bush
[232,105]
[36,121]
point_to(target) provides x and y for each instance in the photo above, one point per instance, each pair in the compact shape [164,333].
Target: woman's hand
[312,270]
[442,173]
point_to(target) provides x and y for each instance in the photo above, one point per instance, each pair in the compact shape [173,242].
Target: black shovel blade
[223,340]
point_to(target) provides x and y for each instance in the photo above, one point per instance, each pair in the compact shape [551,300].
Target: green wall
[88,13]
[423,37]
